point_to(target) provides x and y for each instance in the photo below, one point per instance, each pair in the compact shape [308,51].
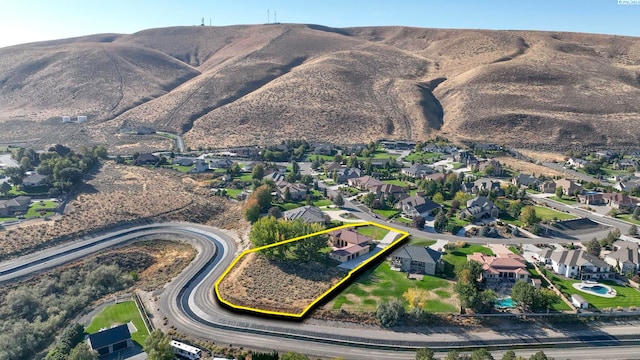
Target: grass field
[548,214]
[563,200]
[384,284]
[420,241]
[387,213]
[245,178]
[374,232]
[626,296]
[47,206]
[458,256]
[400,183]
[233,192]
[400,219]
[117,314]
[322,202]
[628,218]
[182,169]
[425,158]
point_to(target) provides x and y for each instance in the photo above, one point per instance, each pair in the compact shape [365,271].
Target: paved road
[574,174]
[189,304]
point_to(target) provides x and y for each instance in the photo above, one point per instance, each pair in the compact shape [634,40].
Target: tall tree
[418,222]
[509,355]
[83,352]
[593,247]
[257,173]
[524,294]
[338,200]
[425,354]
[633,230]
[5,188]
[158,346]
[529,216]
[481,354]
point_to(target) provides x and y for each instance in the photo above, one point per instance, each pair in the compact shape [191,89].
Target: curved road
[189,303]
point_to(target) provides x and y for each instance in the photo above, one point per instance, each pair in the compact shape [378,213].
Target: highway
[189,304]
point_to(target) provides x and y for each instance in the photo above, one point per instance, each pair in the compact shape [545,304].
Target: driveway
[6,161]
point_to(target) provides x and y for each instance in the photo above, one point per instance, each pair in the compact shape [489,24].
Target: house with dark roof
[502,266]
[308,214]
[344,174]
[417,260]
[324,149]
[625,164]
[626,257]
[348,244]
[388,191]
[417,206]
[110,340]
[220,164]
[183,162]
[525,181]
[479,207]
[16,206]
[146,159]
[578,264]
[418,171]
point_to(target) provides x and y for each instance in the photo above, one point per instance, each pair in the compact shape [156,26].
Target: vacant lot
[118,314]
[383,284]
[120,194]
[281,286]
[374,232]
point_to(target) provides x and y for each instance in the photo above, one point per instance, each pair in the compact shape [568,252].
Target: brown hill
[265,83]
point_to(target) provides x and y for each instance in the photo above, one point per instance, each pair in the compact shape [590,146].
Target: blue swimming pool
[596,289]
[505,303]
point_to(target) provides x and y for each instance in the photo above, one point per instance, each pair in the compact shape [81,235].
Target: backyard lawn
[233,192]
[548,214]
[41,208]
[182,169]
[458,257]
[118,314]
[384,284]
[626,296]
[245,178]
[377,233]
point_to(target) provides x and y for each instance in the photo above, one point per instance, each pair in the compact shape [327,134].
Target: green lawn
[381,154]
[384,284]
[458,256]
[531,191]
[508,218]
[322,202]
[626,296]
[117,314]
[628,218]
[7,219]
[387,213]
[545,213]
[425,158]
[400,183]
[245,177]
[287,206]
[46,206]
[420,241]
[400,219]
[563,200]
[456,165]
[29,190]
[374,232]
[233,192]
[182,169]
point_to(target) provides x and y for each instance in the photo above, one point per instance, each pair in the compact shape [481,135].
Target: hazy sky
[33,20]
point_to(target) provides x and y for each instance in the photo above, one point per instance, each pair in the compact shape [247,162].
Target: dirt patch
[124,195]
[527,167]
[282,286]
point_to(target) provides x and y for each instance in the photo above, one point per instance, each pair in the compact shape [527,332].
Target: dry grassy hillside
[265,83]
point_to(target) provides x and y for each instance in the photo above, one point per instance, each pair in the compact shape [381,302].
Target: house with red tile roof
[501,267]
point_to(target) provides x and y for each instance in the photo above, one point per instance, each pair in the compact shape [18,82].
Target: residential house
[220,164]
[345,174]
[591,198]
[365,183]
[578,264]
[183,162]
[16,206]
[308,214]
[619,201]
[276,176]
[417,205]
[548,187]
[628,185]
[111,340]
[146,159]
[502,266]
[462,156]
[389,190]
[626,257]
[397,145]
[436,176]
[479,207]
[525,181]
[418,171]
[380,163]
[568,187]
[577,163]
[417,260]
[354,149]
[297,191]
[200,166]
[606,155]
[484,184]
[324,149]
[34,179]
[331,166]
[625,164]
[494,164]
[348,244]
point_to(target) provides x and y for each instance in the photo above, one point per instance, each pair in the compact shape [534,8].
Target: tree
[452,355]
[559,191]
[416,297]
[540,355]
[25,163]
[636,213]
[418,222]
[252,210]
[275,212]
[524,294]
[337,158]
[425,354]
[83,352]
[338,200]
[509,355]
[481,354]
[467,293]
[440,221]
[593,247]
[529,216]
[388,313]
[438,198]
[15,175]
[158,346]
[293,356]
[633,230]
[5,188]
[257,173]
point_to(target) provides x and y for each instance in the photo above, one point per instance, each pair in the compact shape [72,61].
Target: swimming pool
[505,303]
[596,289]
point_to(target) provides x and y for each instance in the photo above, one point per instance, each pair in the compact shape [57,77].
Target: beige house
[348,244]
[504,266]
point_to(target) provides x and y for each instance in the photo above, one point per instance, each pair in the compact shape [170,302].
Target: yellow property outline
[326,293]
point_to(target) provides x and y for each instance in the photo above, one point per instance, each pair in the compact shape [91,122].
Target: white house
[578,264]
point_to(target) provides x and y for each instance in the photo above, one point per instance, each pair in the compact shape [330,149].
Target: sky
[24,21]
